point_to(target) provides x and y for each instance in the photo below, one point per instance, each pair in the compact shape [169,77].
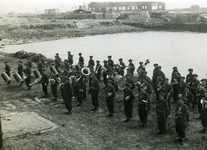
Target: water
[168,49]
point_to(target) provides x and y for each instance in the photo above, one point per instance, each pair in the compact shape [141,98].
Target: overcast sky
[68,5]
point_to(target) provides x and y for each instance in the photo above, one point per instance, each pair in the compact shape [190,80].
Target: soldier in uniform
[57,62]
[140,70]
[182,85]
[189,77]
[166,90]
[29,63]
[187,96]
[193,87]
[54,84]
[94,90]
[154,76]
[78,89]
[110,63]
[204,113]
[91,63]
[110,94]
[175,74]
[20,70]
[175,85]
[70,58]
[121,67]
[128,102]
[68,93]
[105,71]
[39,66]
[98,70]
[143,106]
[129,80]
[81,60]
[7,71]
[45,81]
[201,90]
[131,67]
[181,120]
[162,111]
[28,72]
[111,78]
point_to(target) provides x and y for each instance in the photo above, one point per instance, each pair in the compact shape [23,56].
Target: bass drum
[120,80]
[37,74]
[5,77]
[53,70]
[17,77]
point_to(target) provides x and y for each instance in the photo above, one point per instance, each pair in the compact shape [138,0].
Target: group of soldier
[72,80]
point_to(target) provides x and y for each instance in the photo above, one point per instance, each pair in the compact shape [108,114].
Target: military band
[72,79]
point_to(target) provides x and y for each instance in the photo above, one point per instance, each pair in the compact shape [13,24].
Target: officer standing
[131,67]
[121,67]
[162,111]
[91,63]
[70,58]
[78,89]
[81,60]
[110,94]
[98,70]
[128,102]
[94,90]
[7,71]
[189,77]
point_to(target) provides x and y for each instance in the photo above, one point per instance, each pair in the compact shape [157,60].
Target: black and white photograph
[103,75]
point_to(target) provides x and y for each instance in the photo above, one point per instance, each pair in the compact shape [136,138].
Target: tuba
[5,77]
[146,62]
[85,71]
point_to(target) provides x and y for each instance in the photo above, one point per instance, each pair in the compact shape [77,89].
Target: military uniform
[67,96]
[105,72]
[70,58]
[166,89]
[44,83]
[20,71]
[78,89]
[94,90]
[181,119]
[187,98]
[28,72]
[121,68]
[128,102]
[40,67]
[91,64]
[193,87]
[98,71]
[110,94]
[204,115]
[54,84]
[200,95]
[81,60]
[162,111]
[131,68]
[143,107]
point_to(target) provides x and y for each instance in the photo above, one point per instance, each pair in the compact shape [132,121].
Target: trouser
[161,121]
[194,96]
[28,81]
[44,88]
[68,102]
[128,106]
[175,93]
[180,125]
[79,96]
[94,97]
[110,104]
[143,113]
[98,76]
[54,90]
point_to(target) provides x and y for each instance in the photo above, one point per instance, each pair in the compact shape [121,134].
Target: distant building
[125,6]
[82,11]
[51,11]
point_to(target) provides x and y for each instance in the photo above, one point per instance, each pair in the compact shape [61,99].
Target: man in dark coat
[45,81]
[181,120]
[110,94]
[91,63]
[28,72]
[110,63]
[162,111]
[81,60]
[131,67]
[193,87]
[7,71]
[143,106]
[140,69]
[68,93]
[78,89]
[98,70]
[189,77]
[20,71]
[128,102]
[70,58]
[204,113]
[94,90]
[121,67]
[54,84]
[105,71]
[187,96]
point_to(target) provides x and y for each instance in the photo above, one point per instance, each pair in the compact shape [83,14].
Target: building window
[145,7]
[114,8]
[160,6]
[133,7]
[154,8]
[128,8]
[123,8]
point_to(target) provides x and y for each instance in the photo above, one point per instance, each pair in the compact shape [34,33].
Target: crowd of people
[187,92]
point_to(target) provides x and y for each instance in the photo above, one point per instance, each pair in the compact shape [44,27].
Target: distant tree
[195,8]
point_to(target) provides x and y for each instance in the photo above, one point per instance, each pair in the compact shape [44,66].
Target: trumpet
[146,62]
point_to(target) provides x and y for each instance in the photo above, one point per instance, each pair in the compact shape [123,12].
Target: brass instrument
[146,62]
[36,81]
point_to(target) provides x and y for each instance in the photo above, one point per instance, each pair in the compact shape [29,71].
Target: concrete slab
[16,124]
